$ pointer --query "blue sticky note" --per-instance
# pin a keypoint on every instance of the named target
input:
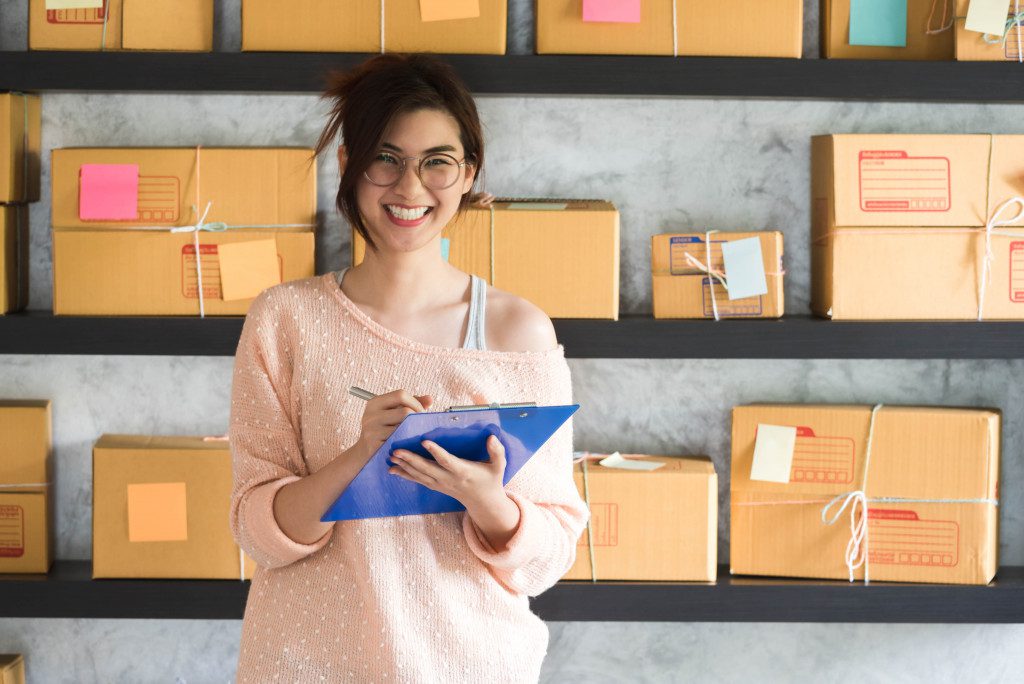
(878, 22)
(744, 268)
(445, 242)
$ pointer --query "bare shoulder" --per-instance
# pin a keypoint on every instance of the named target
(515, 324)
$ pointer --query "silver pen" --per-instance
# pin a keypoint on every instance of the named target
(367, 395)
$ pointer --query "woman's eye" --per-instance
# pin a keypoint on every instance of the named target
(386, 158)
(439, 161)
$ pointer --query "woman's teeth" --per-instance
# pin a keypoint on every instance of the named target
(406, 214)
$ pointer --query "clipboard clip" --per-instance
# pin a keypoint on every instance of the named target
(477, 407)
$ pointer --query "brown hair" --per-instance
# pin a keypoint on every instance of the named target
(372, 95)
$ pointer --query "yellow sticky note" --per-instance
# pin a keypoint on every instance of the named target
(987, 16)
(441, 10)
(247, 268)
(73, 4)
(773, 453)
(157, 512)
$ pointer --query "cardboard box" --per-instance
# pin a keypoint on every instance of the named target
(178, 25)
(911, 244)
(916, 453)
(562, 255)
(13, 257)
(354, 26)
(132, 266)
(12, 669)
(746, 28)
(20, 136)
(682, 290)
(972, 47)
(160, 509)
(26, 505)
(650, 525)
(835, 35)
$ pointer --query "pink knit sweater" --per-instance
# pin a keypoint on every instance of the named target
(419, 598)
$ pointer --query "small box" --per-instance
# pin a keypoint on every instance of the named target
(921, 45)
(355, 26)
(931, 487)
(160, 509)
(20, 117)
(744, 28)
(175, 25)
(12, 669)
(682, 288)
(560, 254)
(650, 525)
(123, 259)
(13, 257)
(26, 504)
(972, 46)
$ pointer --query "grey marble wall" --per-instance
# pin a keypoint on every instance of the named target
(669, 164)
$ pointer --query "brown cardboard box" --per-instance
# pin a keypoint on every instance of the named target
(916, 453)
(650, 525)
(107, 267)
(835, 34)
(160, 509)
(26, 507)
(20, 116)
(681, 290)
(972, 47)
(746, 28)
(562, 255)
(12, 669)
(13, 257)
(354, 26)
(178, 25)
(914, 252)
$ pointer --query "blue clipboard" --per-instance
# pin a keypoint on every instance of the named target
(376, 493)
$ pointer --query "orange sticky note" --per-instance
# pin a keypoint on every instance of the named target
(157, 512)
(441, 10)
(247, 268)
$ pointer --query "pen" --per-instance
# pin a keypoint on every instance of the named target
(361, 393)
(367, 395)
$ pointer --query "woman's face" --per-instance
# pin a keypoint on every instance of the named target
(407, 215)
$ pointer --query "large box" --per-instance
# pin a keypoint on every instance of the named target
(745, 28)
(13, 257)
(650, 525)
(971, 46)
(20, 131)
(682, 288)
(12, 669)
(355, 26)
(178, 25)
(115, 260)
(937, 470)
(921, 45)
(26, 504)
(160, 509)
(561, 255)
(898, 226)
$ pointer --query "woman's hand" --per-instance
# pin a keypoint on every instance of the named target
(383, 414)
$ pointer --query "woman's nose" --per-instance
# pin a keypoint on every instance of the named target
(409, 184)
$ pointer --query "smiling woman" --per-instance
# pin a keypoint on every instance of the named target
(419, 598)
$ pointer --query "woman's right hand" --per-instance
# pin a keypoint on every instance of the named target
(383, 414)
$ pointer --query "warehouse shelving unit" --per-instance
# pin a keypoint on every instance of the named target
(69, 591)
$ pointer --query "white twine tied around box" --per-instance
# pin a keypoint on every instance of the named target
(713, 273)
(213, 227)
(1017, 19)
(990, 229)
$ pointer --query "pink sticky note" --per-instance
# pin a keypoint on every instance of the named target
(618, 11)
(108, 192)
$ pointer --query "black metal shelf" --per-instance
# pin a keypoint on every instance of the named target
(634, 336)
(69, 592)
(719, 77)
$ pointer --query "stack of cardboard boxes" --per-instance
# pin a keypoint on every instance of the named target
(19, 185)
(26, 496)
(998, 46)
(180, 25)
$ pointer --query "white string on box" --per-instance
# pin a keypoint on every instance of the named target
(675, 33)
(990, 230)
(382, 27)
(711, 279)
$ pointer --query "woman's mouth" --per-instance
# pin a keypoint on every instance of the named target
(407, 216)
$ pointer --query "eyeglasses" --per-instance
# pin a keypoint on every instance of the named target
(436, 171)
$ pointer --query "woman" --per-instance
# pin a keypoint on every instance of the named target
(419, 598)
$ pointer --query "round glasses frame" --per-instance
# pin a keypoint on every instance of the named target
(419, 169)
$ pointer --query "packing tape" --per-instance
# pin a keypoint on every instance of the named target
(857, 548)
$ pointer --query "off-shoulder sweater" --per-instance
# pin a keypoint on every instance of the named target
(417, 598)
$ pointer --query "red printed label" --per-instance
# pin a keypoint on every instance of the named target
(1012, 44)
(210, 265)
(89, 15)
(892, 180)
(12, 532)
(901, 537)
(729, 308)
(604, 525)
(822, 459)
(1017, 272)
(158, 199)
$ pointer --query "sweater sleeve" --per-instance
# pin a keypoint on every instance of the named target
(264, 439)
(552, 514)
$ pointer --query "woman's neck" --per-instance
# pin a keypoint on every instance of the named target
(399, 283)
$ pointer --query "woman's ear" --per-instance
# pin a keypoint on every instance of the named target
(467, 182)
(342, 159)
